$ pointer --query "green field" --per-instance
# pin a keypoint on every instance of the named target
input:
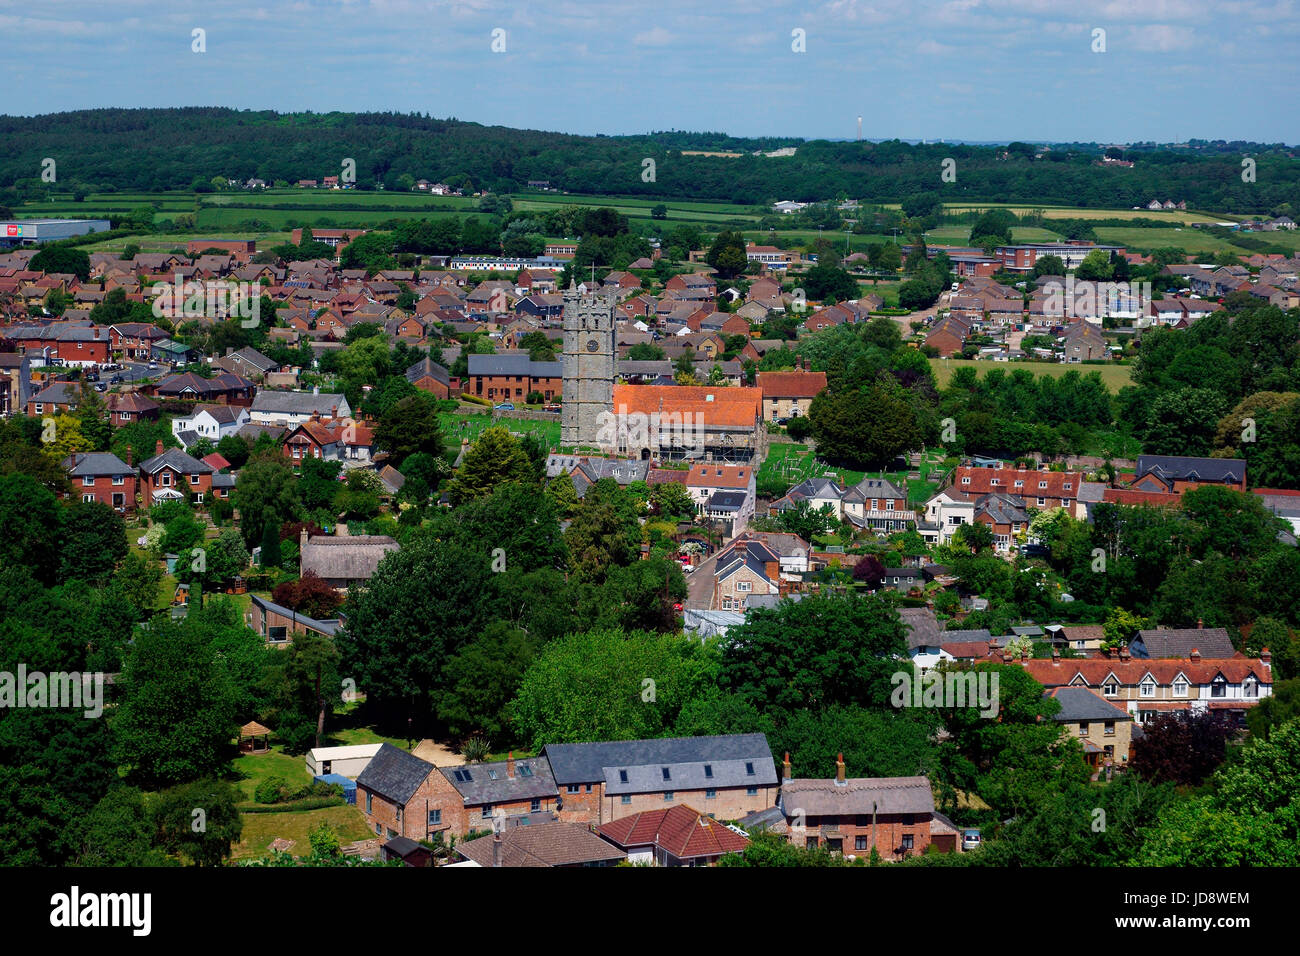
(1115, 377)
(793, 463)
(458, 425)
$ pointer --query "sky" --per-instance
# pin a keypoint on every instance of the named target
(1109, 71)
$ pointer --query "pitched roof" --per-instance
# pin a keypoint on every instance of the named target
(427, 368)
(791, 384)
(95, 464)
(588, 762)
(395, 774)
(1180, 642)
(1192, 469)
(178, 460)
(888, 795)
(348, 558)
(680, 830)
(922, 626)
(297, 403)
(1094, 671)
(489, 782)
(715, 407)
(1080, 703)
(542, 844)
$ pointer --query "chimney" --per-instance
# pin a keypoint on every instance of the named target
(1200, 624)
(1195, 655)
(1024, 654)
(1266, 657)
(785, 765)
(158, 447)
(302, 540)
(993, 646)
(315, 389)
(510, 765)
(1123, 652)
(840, 780)
(1007, 656)
(1056, 654)
(128, 456)
(496, 849)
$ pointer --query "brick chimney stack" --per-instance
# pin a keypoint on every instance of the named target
(785, 765)
(510, 765)
(840, 780)
(158, 447)
(1123, 652)
(1195, 655)
(1024, 654)
(1056, 654)
(1266, 657)
(128, 456)
(496, 849)
(1200, 624)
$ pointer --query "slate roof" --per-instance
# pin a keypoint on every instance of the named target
(890, 795)
(481, 783)
(726, 501)
(95, 464)
(395, 774)
(178, 460)
(427, 368)
(298, 403)
(1212, 642)
(869, 488)
(1079, 704)
(1227, 470)
(511, 363)
(684, 756)
(542, 845)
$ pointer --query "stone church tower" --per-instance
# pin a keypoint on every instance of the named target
(588, 365)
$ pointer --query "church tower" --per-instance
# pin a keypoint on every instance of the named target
(588, 365)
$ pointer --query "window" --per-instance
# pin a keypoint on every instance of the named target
(462, 775)
(1148, 688)
(744, 586)
(859, 843)
(668, 795)
(907, 820)
(1249, 687)
(525, 770)
(326, 766)
(588, 789)
(1180, 688)
(1219, 687)
(378, 830)
(1042, 484)
(88, 482)
(572, 788)
(535, 805)
(907, 841)
(751, 791)
(1109, 728)
(1041, 502)
(194, 479)
(708, 771)
(165, 479)
(965, 481)
(667, 774)
(119, 480)
(370, 805)
(622, 776)
(749, 768)
(1083, 728)
(492, 774)
(88, 499)
(1110, 688)
(710, 794)
(625, 799)
(399, 816)
(487, 811)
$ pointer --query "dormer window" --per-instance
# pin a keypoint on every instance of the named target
(1250, 687)
(1219, 687)
(1148, 687)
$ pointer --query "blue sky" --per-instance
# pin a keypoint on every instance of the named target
(947, 69)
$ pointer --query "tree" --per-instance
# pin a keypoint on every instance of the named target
(497, 457)
(563, 495)
(119, 832)
(318, 483)
(826, 281)
(1095, 266)
(176, 719)
(1181, 747)
(482, 679)
(179, 809)
(32, 519)
(671, 499)
(61, 258)
(358, 498)
(266, 496)
(727, 254)
(1048, 266)
(410, 427)
(310, 595)
(865, 429)
(974, 535)
(806, 521)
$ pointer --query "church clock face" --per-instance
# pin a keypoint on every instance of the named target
(592, 345)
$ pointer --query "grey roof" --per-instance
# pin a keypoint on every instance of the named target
(696, 775)
(92, 464)
(869, 488)
(922, 626)
(220, 480)
(1080, 703)
(253, 430)
(427, 368)
(512, 363)
(542, 845)
(726, 501)
(59, 393)
(587, 763)
(770, 819)
(1091, 492)
(481, 783)
(753, 601)
(297, 403)
(1192, 469)
(324, 627)
(395, 774)
(961, 636)
(179, 460)
(1211, 642)
(858, 795)
(250, 356)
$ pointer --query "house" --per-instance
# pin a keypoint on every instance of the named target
(294, 408)
(171, 474)
(1170, 473)
(102, 477)
(247, 362)
(1083, 343)
(724, 422)
(499, 795)
(274, 622)
(820, 493)
(789, 394)
(393, 792)
(705, 480)
(728, 776)
(877, 504)
(746, 569)
(672, 836)
(126, 408)
(948, 336)
(213, 422)
(1104, 730)
(895, 816)
(343, 560)
(512, 376)
(225, 388)
(56, 398)
(1039, 489)
(346, 761)
(542, 845)
(924, 635)
(15, 382)
(1147, 688)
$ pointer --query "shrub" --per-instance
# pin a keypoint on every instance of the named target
(270, 790)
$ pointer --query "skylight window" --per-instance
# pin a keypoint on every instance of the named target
(667, 774)
(525, 770)
(749, 769)
(708, 771)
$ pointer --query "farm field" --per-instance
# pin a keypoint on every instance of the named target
(1173, 216)
(1115, 377)
(1193, 240)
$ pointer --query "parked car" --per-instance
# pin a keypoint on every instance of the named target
(552, 408)
(970, 839)
(505, 407)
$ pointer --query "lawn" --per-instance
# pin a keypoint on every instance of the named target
(261, 829)
(793, 463)
(1115, 377)
(456, 426)
(252, 769)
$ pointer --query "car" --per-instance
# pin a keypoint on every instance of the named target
(970, 839)
(1035, 551)
(552, 408)
(115, 380)
(687, 568)
(100, 386)
(153, 365)
(505, 407)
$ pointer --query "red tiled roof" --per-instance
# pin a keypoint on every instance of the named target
(740, 407)
(791, 384)
(981, 482)
(679, 830)
(704, 475)
(1128, 496)
(1095, 670)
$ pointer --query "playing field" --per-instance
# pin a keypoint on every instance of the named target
(1115, 377)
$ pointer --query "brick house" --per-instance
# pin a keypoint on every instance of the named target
(102, 477)
(728, 776)
(893, 815)
(134, 340)
(428, 376)
(171, 473)
(394, 792)
(512, 377)
(486, 796)
(1174, 474)
(278, 624)
(947, 336)
(1039, 489)
(789, 394)
(131, 407)
(241, 249)
(54, 399)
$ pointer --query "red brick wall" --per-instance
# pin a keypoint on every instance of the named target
(151, 483)
(104, 489)
(889, 833)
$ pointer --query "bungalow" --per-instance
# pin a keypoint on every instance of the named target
(672, 836)
(278, 624)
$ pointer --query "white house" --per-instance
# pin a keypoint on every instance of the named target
(293, 408)
(948, 510)
(348, 761)
(213, 422)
